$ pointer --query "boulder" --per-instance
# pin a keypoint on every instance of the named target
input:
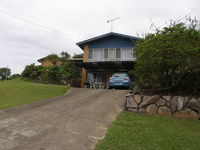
(165, 111)
(149, 100)
(174, 103)
(142, 111)
(194, 105)
(186, 100)
(180, 102)
(168, 104)
(167, 98)
(177, 103)
(133, 110)
(152, 109)
(187, 113)
(138, 98)
(161, 102)
(130, 102)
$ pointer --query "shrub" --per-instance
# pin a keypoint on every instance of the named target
(33, 72)
(63, 74)
(4, 73)
(170, 57)
(14, 76)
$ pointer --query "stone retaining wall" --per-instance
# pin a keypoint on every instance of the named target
(177, 106)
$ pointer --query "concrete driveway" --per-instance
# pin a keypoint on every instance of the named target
(75, 121)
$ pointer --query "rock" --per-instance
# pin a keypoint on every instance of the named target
(167, 98)
(161, 102)
(165, 111)
(180, 102)
(187, 113)
(168, 104)
(142, 111)
(152, 109)
(149, 100)
(174, 103)
(138, 98)
(130, 102)
(133, 110)
(177, 103)
(186, 100)
(194, 104)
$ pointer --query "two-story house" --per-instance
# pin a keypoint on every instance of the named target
(105, 55)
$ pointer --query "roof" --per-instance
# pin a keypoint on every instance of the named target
(70, 59)
(82, 43)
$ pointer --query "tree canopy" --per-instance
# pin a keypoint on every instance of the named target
(170, 57)
(4, 73)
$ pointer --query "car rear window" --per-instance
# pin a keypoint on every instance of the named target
(120, 75)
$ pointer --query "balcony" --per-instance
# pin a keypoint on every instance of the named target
(111, 54)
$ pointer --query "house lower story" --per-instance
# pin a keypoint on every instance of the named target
(100, 72)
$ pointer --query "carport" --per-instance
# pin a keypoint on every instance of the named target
(100, 72)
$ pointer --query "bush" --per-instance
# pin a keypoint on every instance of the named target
(54, 74)
(14, 76)
(4, 73)
(63, 74)
(170, 58)
(33, 72)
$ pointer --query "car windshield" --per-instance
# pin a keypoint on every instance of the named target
(120, 75)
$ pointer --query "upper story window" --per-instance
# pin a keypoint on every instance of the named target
(106, 53)
(90, 53)
(111, 54)
(118, 53)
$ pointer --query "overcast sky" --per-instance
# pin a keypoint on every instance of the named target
(22, 43)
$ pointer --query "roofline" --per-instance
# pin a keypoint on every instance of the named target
(70, 59)
(80, 44)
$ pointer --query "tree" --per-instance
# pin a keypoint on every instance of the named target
(4, 73)
(53, 58)
(33, 72)
(169, 56)
(64, 57)
(54, 74)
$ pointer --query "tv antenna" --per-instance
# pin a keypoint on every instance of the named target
(111, 21)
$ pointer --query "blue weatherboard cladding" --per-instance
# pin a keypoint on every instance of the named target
(111, 42)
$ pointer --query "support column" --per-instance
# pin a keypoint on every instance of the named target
(84, 77)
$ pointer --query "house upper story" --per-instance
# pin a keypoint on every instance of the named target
(109, 47)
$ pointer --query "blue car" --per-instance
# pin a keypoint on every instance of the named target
(120, 80)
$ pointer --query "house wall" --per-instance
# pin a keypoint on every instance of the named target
(84, 71)
(111, 42)
(47, 63)
(86, 53)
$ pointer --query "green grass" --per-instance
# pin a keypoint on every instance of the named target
(138, 132)
(17, 92)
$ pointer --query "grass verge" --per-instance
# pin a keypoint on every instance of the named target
(139, 132)
(17, 92)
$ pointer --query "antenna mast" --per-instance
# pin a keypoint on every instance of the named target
(111, 21)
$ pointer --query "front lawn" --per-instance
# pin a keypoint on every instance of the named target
(139, 132)
(16, 92)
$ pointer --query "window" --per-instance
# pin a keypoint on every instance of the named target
(118, 53)
(127, 54)
(106, 53)
(90, 53)
(111, 54)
